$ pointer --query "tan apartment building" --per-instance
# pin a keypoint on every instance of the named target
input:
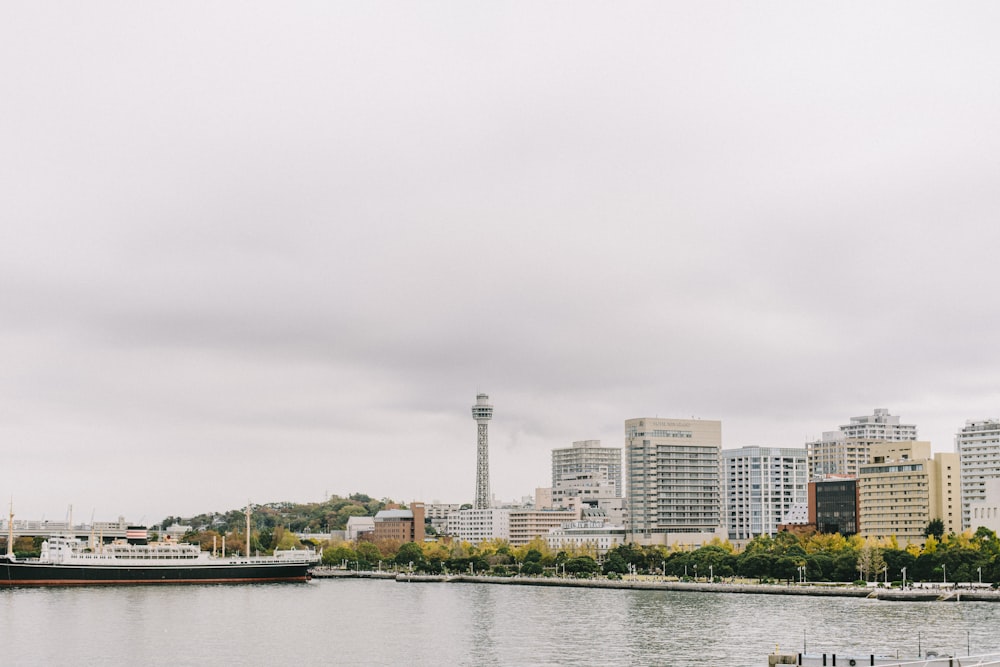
(903, 488)
(527, 524)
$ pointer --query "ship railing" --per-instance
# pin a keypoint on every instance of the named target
(985, 660)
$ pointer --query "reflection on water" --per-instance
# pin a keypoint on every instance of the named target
(364, 622)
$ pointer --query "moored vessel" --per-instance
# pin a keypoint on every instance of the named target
(68, 560)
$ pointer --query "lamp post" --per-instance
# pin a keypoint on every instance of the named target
(664, 566)
(885, 572)
(696, 572)
(711, 573)
(944, 572)
(904, 578)
(980, 570)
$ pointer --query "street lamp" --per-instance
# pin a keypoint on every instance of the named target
(664, 565)
(711, 573)
(904, 578)
(696, 571)
(980, 570)
(885, 571)
(944, 572)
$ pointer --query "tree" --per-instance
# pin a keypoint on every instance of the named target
(934, 527)
(582, 565)
(368, 554)
(338, 554)
(410, 553)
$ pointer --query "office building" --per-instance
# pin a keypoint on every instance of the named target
(833, 504)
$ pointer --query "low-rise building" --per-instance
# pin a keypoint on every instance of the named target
(359, 527)
(600, 536)
(478, 525)
(527, 524)
(400, 525)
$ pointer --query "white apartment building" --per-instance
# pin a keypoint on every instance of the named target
(478, 525)
(879, 426)
(438, 514)
(672, 479)
(761, 485)
(843, 452)
(978, 447)
(986, 512)
(584, 457)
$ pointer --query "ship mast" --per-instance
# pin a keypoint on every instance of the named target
(248, 528)
(10, 531)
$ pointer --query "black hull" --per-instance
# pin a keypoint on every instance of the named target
(40, 574)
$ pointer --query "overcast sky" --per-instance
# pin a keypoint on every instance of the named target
(272, 251)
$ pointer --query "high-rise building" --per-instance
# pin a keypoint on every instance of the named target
(587, 456)
(672, 477)
(903, 488)
(843, 452)
(880, 426)
(482, 412)
(761, 486)
(978, 448)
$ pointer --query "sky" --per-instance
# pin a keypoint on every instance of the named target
(272, 251)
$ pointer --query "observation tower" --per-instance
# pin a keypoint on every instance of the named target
(482, 412)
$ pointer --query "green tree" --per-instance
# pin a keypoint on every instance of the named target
(582, 565)
(934, 527)
(410, 553)
(368, 554)
(338, 554)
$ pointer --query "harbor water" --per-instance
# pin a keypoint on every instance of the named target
(378, 622)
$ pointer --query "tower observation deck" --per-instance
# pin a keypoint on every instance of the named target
(482, 412)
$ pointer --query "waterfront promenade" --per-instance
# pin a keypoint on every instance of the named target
(652, 584)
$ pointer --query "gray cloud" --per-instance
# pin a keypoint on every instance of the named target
(275, 251)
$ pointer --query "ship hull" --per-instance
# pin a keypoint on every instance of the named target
(42, 574)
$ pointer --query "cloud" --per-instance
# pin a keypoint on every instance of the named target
(276, 252)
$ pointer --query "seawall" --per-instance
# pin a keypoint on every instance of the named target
(889, 594)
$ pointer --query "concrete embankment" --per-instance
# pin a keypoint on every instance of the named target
(337, 573)
(908, 595)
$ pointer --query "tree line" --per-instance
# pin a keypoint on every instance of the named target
(967, 557)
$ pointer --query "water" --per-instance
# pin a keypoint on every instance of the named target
(367, 622)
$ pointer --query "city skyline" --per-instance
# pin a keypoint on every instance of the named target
(269, 253)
